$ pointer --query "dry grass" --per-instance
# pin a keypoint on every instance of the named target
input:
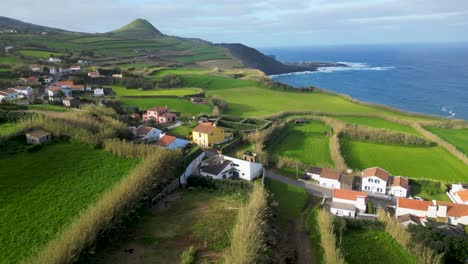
(424, 255)
(127, 149)
(449, 147)
(82, 232)
(247, 238)
(332, 253)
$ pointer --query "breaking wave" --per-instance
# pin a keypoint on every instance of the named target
(350, 66)
(449, 110)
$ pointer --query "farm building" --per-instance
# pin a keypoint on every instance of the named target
(223, 167)
(347, 203)
(71, 102)
(38, 136)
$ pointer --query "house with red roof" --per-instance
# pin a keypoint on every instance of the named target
(8, 94)
(160, 114)
(147, 133)
(325, 177)
(451, 213)
(53, 91)
(348, 203)
(375, 180)
(398, 186)
(94, 74)
(458, 193)
(171, 142)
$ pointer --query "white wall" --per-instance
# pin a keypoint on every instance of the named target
(191, 168)
(329, 183)
(314, 176)
(398, 191)
(247, 170)
(374, 185)
(342, 212)
(402, 211)
(153, 135)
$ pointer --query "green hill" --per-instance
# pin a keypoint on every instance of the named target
(14, 24)
(138, 28)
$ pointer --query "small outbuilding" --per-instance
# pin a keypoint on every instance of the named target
(71, 102)
(38, 136)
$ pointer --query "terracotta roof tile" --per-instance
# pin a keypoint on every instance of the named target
(400, 181)
(205, 128)
(347, 194)
(143, 130)
(330, 174)
(463, 194)
(376, 171)
(166, 140)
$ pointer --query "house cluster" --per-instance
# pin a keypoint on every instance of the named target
(149, 134)
(69, 69)
(348, 202)
(374, 180)
(97, 74)
(14, 93)
(411, 211)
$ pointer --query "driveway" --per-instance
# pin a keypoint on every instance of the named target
(312, 189)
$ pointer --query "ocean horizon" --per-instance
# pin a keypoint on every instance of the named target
(421, 78)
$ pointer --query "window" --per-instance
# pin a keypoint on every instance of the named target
(370, 180)
(243, 174)
(367, 188)
(377, 181)
(379, 190)
(236, 165)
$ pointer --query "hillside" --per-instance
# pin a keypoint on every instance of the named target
(14, 24)
(138, 28)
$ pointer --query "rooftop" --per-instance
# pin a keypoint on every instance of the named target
(143, 130)
(205, 128)
(400, 181)
(37, 133)
(166, 140)
(215, 165)
(348, 194)
(330, 174)
(377, 172)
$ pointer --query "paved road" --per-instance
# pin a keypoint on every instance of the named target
(312, 189)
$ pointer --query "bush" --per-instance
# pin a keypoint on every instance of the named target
(225, 186)
(188, 256)
(332, 253)
(248, 243)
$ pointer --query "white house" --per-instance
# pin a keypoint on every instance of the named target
(54, 90)
(325, 177)
(75, 68)
(64, 70)
(453, 213)
(223, 167)
(348, 202)
(23, 90)
(148, 134)
(52, 70)
(55, 60)
(35, 68)
(399, 186)
(374, 180)
(8, 94)
(47, 79)
(98, 91)
(458, 193)
(171, 142)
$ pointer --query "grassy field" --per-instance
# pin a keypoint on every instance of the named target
(6, 128)
(184, 130)
(371, 246)
(433, 163)
(456, 137)
(7, 59)
(122, 91)
(292, 200)
(37, 54)
(181, 71)
(41, 191)
(306, 143)
(197, 218)
(377, 123)
(185, 107)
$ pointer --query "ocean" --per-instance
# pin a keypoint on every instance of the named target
(423, 78)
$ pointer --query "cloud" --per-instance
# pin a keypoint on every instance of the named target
(261, 22)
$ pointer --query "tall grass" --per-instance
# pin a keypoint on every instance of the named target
(332, 253)
(156, 170)
(335, 153)
(449, 147)
(127, 149)
(423, 254)
(248, 236)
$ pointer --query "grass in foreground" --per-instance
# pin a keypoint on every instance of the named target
(434, 163)
(185, 107)
(198, 218)
(41, 191)
(456, 137)
(377, 123)
(371, 246)
(122, 91)
(7, 128)
(306, 143)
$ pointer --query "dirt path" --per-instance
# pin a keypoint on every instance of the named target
(305, 254)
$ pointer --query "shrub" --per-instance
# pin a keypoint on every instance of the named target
(332, 253)
(248, 235)
(188, 256)
(225, 186)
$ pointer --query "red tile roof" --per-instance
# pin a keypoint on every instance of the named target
(7, 91)
(65, 83)
(205, 128)
(400, 181)
(166, 140)
(376, 171)
(463, 194)
(143, 130)
(330, 174)
(55, 88)
(413, 204)
(77, 87)
(347, 194)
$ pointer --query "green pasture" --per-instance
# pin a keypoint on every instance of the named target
(122, 91)
(456, 137)
(184, 106)
(376, 123)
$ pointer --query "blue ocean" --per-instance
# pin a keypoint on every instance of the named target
(431, 79)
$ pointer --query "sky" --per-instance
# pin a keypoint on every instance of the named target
(261, 23)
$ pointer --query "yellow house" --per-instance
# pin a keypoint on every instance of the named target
(207, 134)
